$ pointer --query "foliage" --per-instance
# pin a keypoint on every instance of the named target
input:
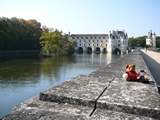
(141, 42)
(19, 34)
(55, 43)
(132, 42)
(158, 42)
(137, 42)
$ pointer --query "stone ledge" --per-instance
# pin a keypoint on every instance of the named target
(131, 97)
(101, 114)
(82, 90)
(40, 110)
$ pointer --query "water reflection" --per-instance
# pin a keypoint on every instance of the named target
(96, 59)
(23, 78)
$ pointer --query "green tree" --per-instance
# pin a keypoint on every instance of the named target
(132, 42)
(19, 34)
(137, 42)
(158, 42)
(55, 43)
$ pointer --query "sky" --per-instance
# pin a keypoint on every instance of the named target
(136, 17)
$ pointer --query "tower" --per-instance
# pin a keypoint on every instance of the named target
(154, 40)
(110, 43)
(151, 39)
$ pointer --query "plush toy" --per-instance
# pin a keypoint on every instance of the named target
(131, 74)
(125, 76)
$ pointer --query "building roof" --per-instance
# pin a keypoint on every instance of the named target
(89, 34)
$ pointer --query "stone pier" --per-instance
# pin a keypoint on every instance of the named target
(101, 95)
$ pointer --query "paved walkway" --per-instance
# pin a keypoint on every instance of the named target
(152, 60)
(153, 55)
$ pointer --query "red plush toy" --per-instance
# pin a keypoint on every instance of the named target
(131, 73)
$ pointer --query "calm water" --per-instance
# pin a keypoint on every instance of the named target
(23, 78)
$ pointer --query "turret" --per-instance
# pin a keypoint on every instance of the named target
(109, 45)
(154, 40)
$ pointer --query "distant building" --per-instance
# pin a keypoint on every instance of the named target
(151, 39)
(115, 41)
(118, 41)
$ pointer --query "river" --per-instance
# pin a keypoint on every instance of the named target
(21, 79)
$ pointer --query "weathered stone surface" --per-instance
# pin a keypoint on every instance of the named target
(131, 97)
(42, 115)
(35, 109)
(82, 90)
(66, 108)
(101, 114)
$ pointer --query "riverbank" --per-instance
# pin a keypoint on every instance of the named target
(103, 94)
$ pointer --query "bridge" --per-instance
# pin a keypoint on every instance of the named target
(101, 95)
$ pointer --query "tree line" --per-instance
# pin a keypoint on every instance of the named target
(141, 41)
(20, 34)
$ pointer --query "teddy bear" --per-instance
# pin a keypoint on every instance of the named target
(131, 74)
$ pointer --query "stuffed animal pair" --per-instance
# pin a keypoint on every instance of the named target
(131, 74)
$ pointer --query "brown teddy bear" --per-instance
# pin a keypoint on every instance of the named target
(131, 74)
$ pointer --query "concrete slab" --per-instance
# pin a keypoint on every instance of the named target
(41, 115)
(101, 114)
(131, 97)
(82, 90)
(35, 109)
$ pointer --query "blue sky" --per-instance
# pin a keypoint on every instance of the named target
(136, 17)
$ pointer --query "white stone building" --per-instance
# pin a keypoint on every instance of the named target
(151, 39)
(115, 41)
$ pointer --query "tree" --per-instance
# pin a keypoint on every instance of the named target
(158, 42)
(137, 42)
(132, 42)
(19, 34)
(55, 43)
